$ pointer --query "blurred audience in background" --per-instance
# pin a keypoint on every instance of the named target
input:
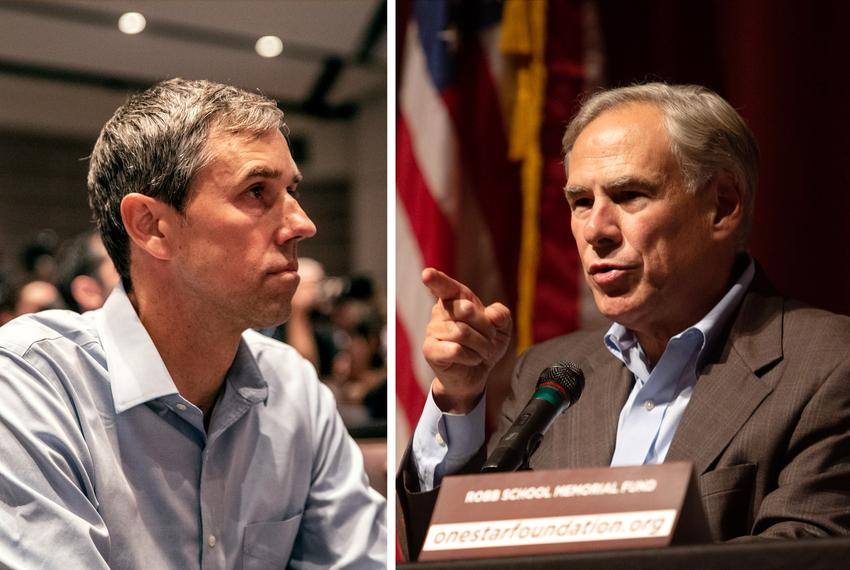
(338, 323)
(359, 376)
(30, 287)
(309, 329)
(79, 277)
(29, 296)
(38, 257)
(85, 274)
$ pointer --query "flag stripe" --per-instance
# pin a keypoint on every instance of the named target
(434, 146)
(433, 232)
(457, 206)
(410, 395)
(414, 301)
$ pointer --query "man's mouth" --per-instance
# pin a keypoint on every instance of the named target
(608, 274)
(598, 268)
(285, 268)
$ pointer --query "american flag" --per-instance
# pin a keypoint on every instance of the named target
(485, 90)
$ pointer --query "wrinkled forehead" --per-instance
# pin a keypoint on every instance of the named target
(637, 125)
(622, 141)
(224, 144)
(220, 130)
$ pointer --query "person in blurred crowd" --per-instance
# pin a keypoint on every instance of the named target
(309, 329)
(85, 274)
(300, 330)
(38, 256)
(160, 431)
(34, 296)
(7, 306)
(705, 361)
(359, 377)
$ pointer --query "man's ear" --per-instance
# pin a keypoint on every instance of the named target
(727, 198)
(148, 222)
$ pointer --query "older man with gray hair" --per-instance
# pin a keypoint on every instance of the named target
(160, 431)
(704, 362)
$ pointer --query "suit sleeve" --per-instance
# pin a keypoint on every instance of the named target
(812, 497)
(417, 505)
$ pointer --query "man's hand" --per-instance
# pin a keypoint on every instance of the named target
(463, 342)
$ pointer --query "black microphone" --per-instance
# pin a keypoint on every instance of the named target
(558, 388)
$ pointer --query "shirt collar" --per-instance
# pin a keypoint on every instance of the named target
(245, 376)
(621, 341)
(716, 319)
(136, 370)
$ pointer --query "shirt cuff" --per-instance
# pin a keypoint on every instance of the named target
(443, 443)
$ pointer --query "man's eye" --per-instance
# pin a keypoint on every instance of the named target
(256, 191)
(630, 195)
(581, 203)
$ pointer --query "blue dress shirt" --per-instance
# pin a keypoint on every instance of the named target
(655, 406)
(103, 464)
(442, 443)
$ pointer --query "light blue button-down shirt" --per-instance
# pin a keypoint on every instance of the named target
(104, 464)
(654, 408)
(442, 443)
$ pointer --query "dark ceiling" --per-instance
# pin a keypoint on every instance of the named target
(65, 66)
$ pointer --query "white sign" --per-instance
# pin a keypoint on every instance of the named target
(551, 530)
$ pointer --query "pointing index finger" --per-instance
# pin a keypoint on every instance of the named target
(444, 287)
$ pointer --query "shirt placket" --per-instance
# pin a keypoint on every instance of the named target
(211, 553)
(214, 544)
(211, 499)
(646, 410)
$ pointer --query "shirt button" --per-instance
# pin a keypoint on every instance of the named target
(439, 439)
(181, 407)
(211, 540)
(649, 404)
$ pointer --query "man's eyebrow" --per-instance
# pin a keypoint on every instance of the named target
(631, 182)
(263, 172)
(616, 184)
(267, 172)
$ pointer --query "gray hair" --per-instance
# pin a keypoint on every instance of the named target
(707, 136)
(156, 142)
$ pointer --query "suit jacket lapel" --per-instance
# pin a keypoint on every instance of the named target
(614, 383)
(730, 386)
(585, 435)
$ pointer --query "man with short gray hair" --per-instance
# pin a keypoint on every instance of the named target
(161, 431)
(704, 361)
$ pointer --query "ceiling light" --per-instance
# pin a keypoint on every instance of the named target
(269, 46)
(131, 23)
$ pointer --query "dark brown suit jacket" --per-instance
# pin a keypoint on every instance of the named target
(767, 427)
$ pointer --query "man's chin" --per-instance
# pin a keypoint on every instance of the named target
(272, 319)
(619, 309)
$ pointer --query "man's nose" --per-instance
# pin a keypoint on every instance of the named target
(602, 228)
(296, 223)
